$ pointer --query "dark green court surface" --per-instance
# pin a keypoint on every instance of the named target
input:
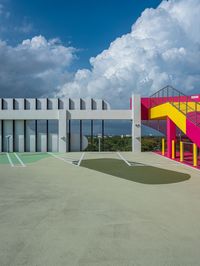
(141, 174)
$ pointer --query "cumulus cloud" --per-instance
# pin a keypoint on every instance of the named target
(25, 28)
(162, 48)
(36, 67)
(3, 12)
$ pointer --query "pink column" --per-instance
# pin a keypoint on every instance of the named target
(171, 135)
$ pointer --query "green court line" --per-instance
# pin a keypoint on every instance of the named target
(19, 159)
(14, 159)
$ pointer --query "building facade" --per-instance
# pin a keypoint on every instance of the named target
(21, 118)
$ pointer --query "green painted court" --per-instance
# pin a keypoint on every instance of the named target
(137, 172)
(27, 158)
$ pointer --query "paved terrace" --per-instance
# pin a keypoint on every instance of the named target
(55, 213)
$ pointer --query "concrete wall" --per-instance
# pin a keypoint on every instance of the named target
(53, 142)
(136, 123)
(53, 135)
(30, 104)
(19, 135)
(19, 104)
(41, 136)
(52, 104)
(30, 136)
(8, 131)
(19, 117)
(1, 135)
(41, 104)
(7, 103)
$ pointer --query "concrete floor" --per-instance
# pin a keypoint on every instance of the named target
(54, 213)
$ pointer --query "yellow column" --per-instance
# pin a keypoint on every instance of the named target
(173, 149)
(181, 152)
(163, 146)
(195, 163)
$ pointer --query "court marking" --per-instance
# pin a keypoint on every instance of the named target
(61, 158)
(123, 159)
(69, 158)
(18, 158)
(101, 152)
(9, 159)
(79, 162)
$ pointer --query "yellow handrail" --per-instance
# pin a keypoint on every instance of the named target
(163, 146)
(181, 151)
(195, 154)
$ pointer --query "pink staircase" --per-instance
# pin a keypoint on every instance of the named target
(187, 105)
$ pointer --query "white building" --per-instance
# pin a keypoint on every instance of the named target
(20, 118)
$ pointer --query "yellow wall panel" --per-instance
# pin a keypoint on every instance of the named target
(166, 109)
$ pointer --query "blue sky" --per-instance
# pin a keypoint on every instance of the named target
(101, 49)
(88, 25)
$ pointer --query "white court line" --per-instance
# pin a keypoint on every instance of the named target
(60, 158)
(79, 162)
(123, 159)
(101, 152)
(9, 159)
(23, 165)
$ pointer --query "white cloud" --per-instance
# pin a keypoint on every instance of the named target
(3, 12)
(162, 48)
(24, 28)
(35, 67)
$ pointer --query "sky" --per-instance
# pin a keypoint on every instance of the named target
(88, 25)
(102, 49)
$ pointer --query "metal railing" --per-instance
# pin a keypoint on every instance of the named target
(179, 100)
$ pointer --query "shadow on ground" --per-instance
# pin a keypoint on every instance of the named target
(139, 173)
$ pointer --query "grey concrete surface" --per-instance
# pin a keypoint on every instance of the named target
(54, 213)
